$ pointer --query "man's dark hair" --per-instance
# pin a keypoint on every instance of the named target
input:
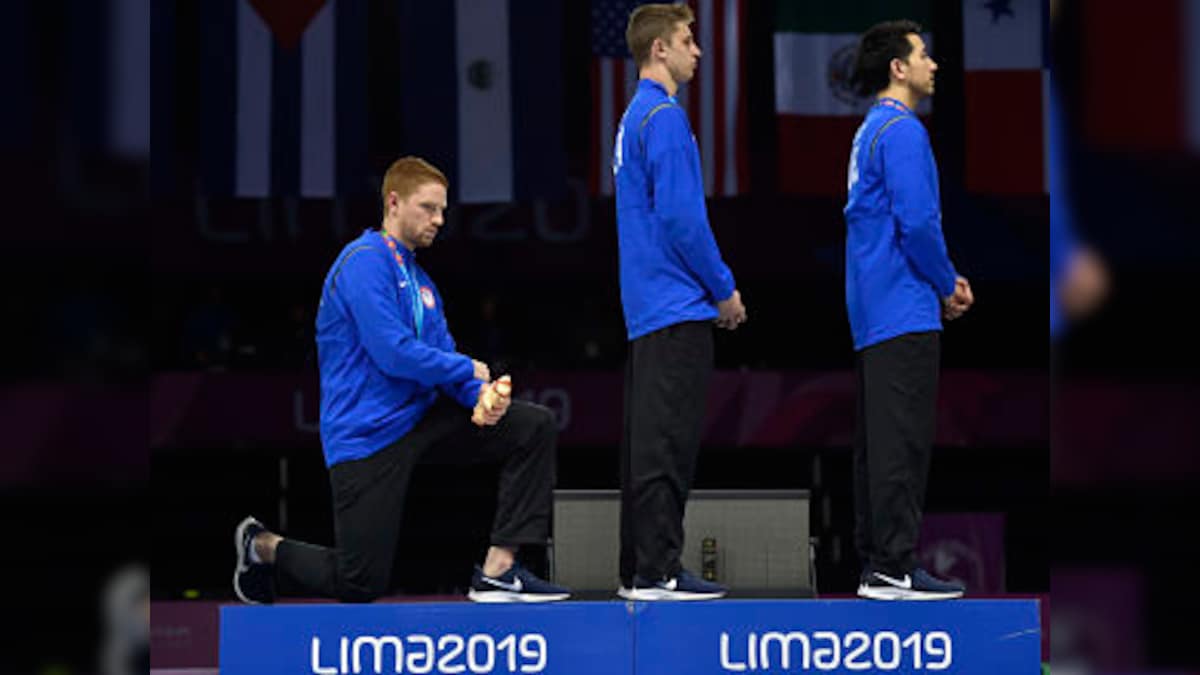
(876, 49)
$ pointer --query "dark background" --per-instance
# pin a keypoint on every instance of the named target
(74, 353)
(104, 282)
(528, 304)
(1122, 501)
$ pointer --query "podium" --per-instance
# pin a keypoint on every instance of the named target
(634, 638)
(759, 540)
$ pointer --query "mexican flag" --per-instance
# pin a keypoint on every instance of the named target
(817, 111)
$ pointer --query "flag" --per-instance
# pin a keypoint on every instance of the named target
(108, 63)
(1005, 81)
(162, 130)
(481, 95)
(283, 97)
(817, 112)
(129, 78)
(715, 99)
(1164, 112)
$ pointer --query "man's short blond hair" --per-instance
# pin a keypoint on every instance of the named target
(407, 174)
(651, 22)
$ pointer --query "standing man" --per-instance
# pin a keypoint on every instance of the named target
(395, 391)
(900, 284)
(673, 285)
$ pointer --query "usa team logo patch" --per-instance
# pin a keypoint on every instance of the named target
(427, 297)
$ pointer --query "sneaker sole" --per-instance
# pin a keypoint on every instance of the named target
(511, 597)
(890, 593)
(238, 535)
(660, 594)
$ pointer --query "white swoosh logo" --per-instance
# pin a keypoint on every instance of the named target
(515, 586)
(902, 583)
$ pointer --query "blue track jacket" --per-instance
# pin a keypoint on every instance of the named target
(383, 349)
(897, 269)
(671, 269)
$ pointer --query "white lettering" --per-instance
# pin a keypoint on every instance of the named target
(448, 656)
(944, 648)
(378, 643)
(489, 652)
(853, 653)
(785, 642)
(526, 653)
(509, 644)
(832, 653)
(725, 663)
(619, 148)
(422, 661)
(828, 650)
(894, 662)
(852, 170)
(914, 641)
(538, 652)
(317, 668)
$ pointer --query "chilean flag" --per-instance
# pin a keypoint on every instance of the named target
(1006, 79)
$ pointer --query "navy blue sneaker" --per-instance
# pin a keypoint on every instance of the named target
(684, 586)
(916, 585)
(254, 583)
(516, 585)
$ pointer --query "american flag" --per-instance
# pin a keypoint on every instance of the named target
(715, 99)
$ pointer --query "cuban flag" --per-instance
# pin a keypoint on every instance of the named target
(283, 98)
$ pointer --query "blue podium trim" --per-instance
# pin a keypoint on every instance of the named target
(571, 637)
(619, 638)
(839, 636)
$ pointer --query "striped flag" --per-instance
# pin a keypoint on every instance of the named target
(107, 64)
(715, 99)
(283, 97)
(163, 157)
(481, 95)
(817, 111)
(129, 78)
(1004, 58)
